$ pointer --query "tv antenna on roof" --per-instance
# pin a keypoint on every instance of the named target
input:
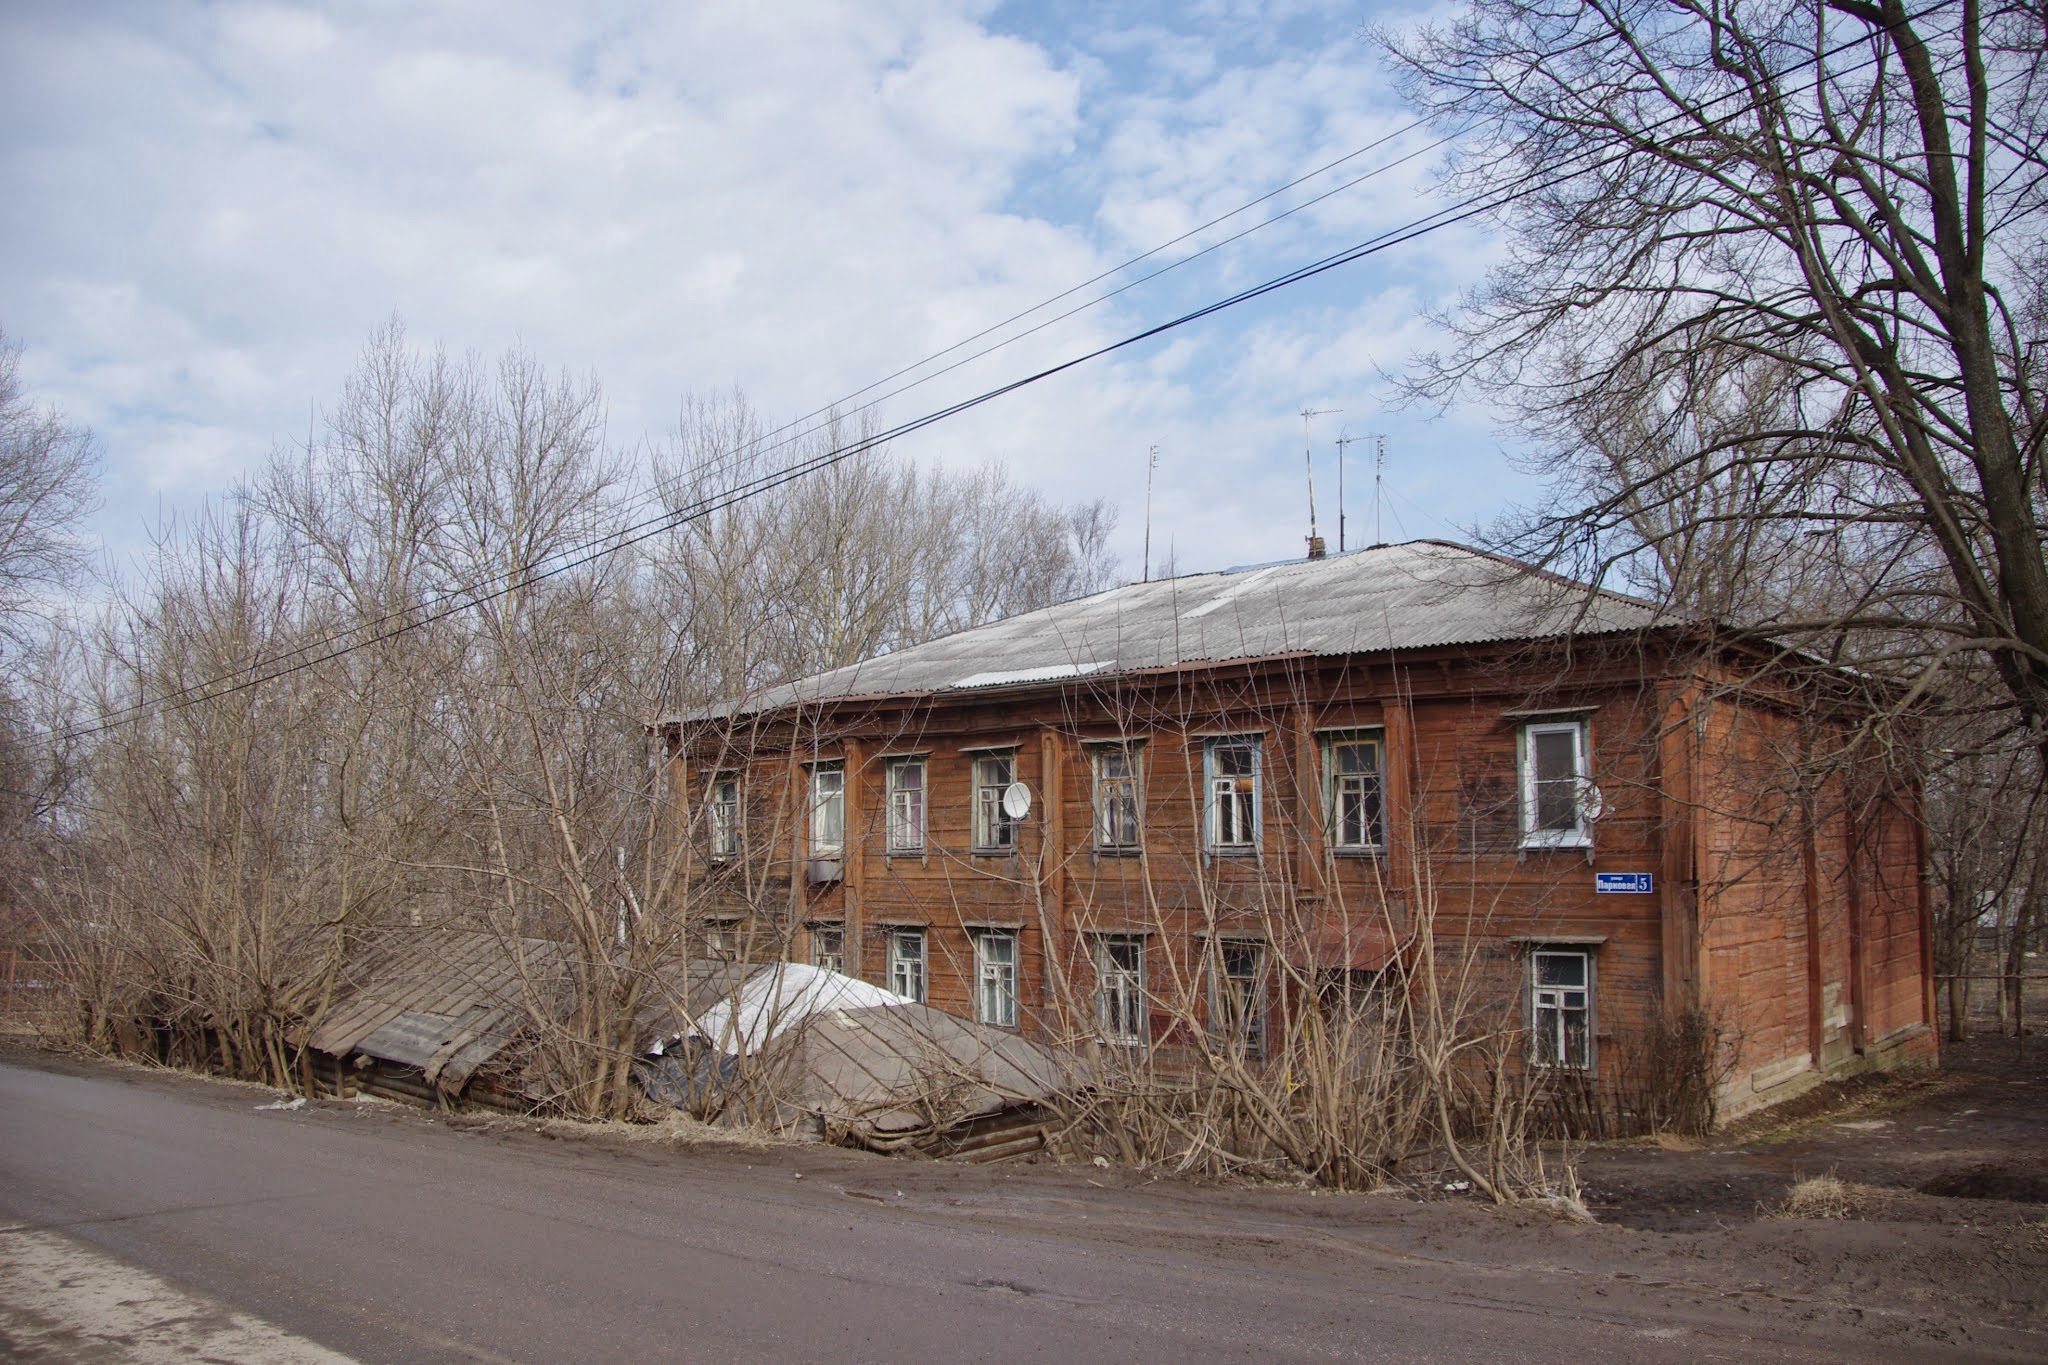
(1151, 463)
(1308, 459)
(1344, 438)
(1379, 478)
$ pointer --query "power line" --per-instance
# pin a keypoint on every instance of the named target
(1473, 206)
(788, 434)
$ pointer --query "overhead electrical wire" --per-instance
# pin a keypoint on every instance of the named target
(786, 434)
(420, 617)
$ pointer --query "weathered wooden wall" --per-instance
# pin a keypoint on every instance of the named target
(1790, 917)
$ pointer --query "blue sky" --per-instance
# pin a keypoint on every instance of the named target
(211, 207)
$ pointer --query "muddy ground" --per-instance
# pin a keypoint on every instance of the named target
(1952, 1219)
(1946, 1248)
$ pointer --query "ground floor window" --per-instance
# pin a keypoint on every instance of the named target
(1561, 1007)
(828, 947)
(722, 939)
(906, 963)
(1120, 988)
(995, 976)
(1237, 996)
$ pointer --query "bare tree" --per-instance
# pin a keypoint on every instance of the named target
(1774, 297)
(865, 555)
(47, 488)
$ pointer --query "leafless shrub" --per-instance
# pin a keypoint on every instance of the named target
(387, 684)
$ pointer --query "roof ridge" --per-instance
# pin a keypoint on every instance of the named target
(1429, 593)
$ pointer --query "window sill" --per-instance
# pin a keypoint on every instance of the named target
(1232, 852)
(1359, 851)
(1569, 843)
(1118, 851)
(992, 852)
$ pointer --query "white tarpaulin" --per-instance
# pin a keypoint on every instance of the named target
(776, 999)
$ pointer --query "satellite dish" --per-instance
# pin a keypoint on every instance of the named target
(1594, 803)
(1016, 800)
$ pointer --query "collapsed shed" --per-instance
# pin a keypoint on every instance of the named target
(449, 1017)
(804, 1049)
(419, 1015)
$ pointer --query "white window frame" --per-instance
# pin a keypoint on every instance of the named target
(995, 831)
(1121, 1011)
(995, 977)
(1231, 801)
(1370, 789)
(1237, 1001)
(1119, 798)
(722, 816)
(828, 810)
(1552, 1005)
(828, 947)
(1579, 834)
(907, 958)
(909, 803)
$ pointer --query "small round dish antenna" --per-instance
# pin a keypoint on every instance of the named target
(1590, 799)
(1016, 800)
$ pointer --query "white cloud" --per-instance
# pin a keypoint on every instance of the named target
(209, 208)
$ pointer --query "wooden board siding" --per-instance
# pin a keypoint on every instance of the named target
(1809, 903)
(1753, 918)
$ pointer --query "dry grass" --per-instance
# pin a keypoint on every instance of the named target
(665, 1127)
(1666, 1142)
(1828, 1196)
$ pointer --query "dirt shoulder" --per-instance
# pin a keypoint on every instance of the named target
(1947, 1246)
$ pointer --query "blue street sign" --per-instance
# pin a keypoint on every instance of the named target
(1622, 883)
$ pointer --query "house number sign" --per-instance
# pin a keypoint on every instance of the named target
(1622, 883)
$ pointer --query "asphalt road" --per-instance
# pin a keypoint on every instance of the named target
(388, 1237)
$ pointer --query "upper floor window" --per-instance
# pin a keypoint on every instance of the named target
(995, 830)
(1353, 787)
(828, 810)
(906, 806)
(1561, 1007)
(1556, 786)
(1230, 772)
(1117, 801)
(722, 816)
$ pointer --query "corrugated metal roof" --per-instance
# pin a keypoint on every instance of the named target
(443, 1000)
(1416, 595)
(450, 1000)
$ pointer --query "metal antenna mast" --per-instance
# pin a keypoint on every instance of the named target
(1344, 438)
(1379, 474)
(1151, 463)
(1308, 460)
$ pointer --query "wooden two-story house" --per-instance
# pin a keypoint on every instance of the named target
(1136, 816)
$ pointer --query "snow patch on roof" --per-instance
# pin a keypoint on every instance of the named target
(1047, 673)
